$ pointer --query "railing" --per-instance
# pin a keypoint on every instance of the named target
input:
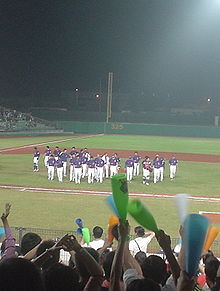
(153, 246)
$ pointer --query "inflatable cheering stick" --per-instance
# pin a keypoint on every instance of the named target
(120, 194)
(195, 229)
(79, 222)
(111, 204)
(211, 236)
(2, 231)
(142, 215)
(182, 206)
(113, 220)
(86, 235)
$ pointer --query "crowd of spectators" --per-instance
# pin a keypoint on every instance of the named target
(37, 265)
(10, 118)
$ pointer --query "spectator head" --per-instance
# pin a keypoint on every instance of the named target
(154, 268)
(143, 285)
(20, 274)
(211, 268)
(97, 232)
(80, 266)
(207, 255)
(53, 259)
(139, 231)
(140, 257)
(60, 277)
(29, 241)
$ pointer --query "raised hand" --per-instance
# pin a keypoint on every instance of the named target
(6, 213)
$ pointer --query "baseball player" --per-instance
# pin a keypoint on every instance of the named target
(162, 168)
(118, 162)
(96, 170)
(100, 169)
(47, 154)
(56, 152)
(173, 162)
(73, 151)
(105, 158)
(51, 167)
(136, 159)
(59, 167)
(129, 167)
(91, 170)
(72, 171)
(147, 169)
(64, 156)
(84, 161)
(157, 165)
(113, 166)
(36, 157)
(78, 170)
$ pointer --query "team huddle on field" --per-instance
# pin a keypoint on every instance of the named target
(81, 164)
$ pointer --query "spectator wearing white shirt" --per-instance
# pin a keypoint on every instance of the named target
(140, 243)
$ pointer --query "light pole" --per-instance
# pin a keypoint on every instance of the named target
(77, 96)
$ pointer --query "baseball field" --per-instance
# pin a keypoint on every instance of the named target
(40, 203)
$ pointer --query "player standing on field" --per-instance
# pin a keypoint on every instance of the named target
(36, 157)
(105, 158)
(173, 162)
(162, 168)
(113, 166)
(147, 169)
(156, 164)
(129, 167)
(51, 167)
(91, 170)
(59, 166)
(64, 156)
(100, 169)
(78, 170)
(136, 159)
(72, 171)
(47, 154)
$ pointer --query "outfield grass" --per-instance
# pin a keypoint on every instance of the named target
(147, 143)
(58, 211)
(192, 178)
(11, 142)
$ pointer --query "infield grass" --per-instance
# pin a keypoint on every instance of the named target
(192, 178)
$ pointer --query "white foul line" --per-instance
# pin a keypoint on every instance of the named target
(102, 193)
(49, 142)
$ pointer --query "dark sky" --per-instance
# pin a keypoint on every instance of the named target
(154, 46)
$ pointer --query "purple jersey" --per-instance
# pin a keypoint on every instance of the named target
(157, 164)
(100, 163)
(59, 163)
(72, 160)
(56, 153)
(64, 156)
(173, 162)
(47, 152)
(91, 164)
(36, 154)
(129, 163)
(113, 162)
(73, 152)
(84, 160)
(136, 158)
(162, 162)
(77, 163)
(51, 162)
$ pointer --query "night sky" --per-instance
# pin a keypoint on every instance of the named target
(163, 48)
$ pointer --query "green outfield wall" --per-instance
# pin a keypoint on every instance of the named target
(139, 129)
